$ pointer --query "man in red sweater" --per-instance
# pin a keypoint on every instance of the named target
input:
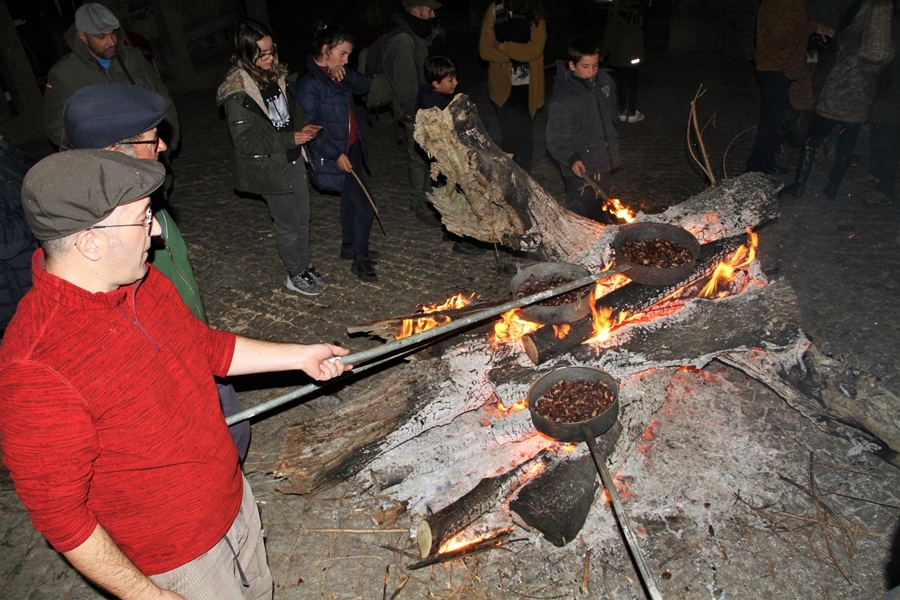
(109, 415)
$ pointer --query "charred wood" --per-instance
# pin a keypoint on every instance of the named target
(545, 343)
(557, 502)
(451, 520)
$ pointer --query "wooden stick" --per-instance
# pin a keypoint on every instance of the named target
(490, 543)
(586, 572)
(356, 531)
(400, 587)
(371, 201)
(895, 506)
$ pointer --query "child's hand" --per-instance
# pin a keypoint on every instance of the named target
(578, 168)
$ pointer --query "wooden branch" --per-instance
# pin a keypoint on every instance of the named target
(693, 125)
(394, 323)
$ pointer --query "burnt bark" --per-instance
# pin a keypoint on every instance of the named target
(546, 343)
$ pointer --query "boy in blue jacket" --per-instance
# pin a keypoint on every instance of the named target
(580, 132)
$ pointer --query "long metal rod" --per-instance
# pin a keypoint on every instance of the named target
(415, 340)
(621, 516)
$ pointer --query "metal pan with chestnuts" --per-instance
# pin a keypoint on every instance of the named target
(578, 396)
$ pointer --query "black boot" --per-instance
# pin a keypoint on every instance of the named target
(804, 166)
(842, 161)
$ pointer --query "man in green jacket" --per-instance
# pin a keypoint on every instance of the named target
(99, 55)
(124, 118)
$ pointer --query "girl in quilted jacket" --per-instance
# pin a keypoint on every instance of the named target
(325, 94)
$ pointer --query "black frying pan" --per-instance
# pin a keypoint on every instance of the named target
(587, 431)
(652, 275)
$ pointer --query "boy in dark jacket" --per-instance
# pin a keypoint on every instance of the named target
(440, 73)
(580, 132)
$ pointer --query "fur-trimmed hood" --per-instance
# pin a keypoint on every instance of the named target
(238, 81)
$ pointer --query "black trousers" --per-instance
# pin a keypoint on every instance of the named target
(627, 88)
(773, 88)
(517, 127)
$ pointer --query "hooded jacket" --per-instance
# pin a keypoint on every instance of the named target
(580, 122)
(260, 151)
(331, 105)
(79, 69)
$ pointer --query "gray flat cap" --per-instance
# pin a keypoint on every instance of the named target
(94, 19)
(100, 115)
(71, 191)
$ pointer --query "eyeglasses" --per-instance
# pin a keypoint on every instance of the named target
(148, 223)
(154, 142)
(264, 53)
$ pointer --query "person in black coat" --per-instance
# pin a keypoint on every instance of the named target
(17, 243)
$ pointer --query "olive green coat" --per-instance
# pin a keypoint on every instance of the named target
(260, 151)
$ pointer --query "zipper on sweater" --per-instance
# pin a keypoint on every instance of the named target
(137, 323)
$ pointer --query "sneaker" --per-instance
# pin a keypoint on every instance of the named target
(364, 269)
(317, 277)
(304, 283)
(347, 254)
(637, 117)
(623, 116)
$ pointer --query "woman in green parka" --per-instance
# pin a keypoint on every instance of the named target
(623, 45)
(268, 131)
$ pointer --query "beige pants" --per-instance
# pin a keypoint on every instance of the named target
(234, 569)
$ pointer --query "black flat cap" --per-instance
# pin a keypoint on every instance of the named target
(100, 115)
(71, 191)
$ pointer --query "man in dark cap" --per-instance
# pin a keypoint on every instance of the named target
(109, 416)
(124, 118)
(99, 55)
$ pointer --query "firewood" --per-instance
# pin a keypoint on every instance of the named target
(489, 543)
(439, 527)
(544, 344)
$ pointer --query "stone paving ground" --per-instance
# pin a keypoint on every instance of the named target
(841, 258)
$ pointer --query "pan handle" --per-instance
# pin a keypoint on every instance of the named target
(624, 523)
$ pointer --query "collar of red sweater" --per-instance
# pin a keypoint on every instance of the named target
(71, 295)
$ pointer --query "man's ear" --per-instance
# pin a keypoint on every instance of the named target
(91, 244)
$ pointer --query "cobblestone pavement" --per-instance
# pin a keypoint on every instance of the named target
(841, 257)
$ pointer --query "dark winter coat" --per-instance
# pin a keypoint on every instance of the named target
(79, 69)
(580, 121)
(404, 56)
(849, 91)
(261, 164)
(17, 244)
(623, 41)
(330, 105)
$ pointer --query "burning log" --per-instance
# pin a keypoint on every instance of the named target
(483, 545)
(547, 343)
(451, 520)
(490, 198)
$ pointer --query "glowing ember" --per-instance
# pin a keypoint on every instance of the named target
(724, 271)
(512, 327)
(520, 405)
(424, 323)
(458, 542)
(614, 207)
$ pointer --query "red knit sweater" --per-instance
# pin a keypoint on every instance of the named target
(109, 413)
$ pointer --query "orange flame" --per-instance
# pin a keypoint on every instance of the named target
(724, 271)
(512, 327)
(619, 210)
(604, 323)
(424, 323)
(520, 405)
(561, 331)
